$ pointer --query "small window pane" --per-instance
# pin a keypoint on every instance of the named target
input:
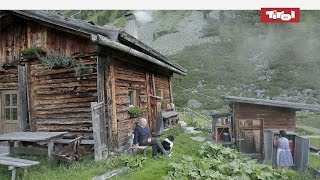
(159, 93)
(132, 97)
(14, 99)
(7, 113)
(14, 114)
(7, 100)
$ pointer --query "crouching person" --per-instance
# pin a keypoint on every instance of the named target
(142, 137)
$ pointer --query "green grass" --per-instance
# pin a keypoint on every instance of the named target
(303, 132)
(46, 170)
(315, 142)
(155, 169)
(197, 121)
(309, 119)
(314, 161)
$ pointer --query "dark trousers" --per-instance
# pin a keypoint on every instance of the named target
(156, 146)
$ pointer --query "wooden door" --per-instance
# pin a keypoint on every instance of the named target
(268, 147)
(9, 121)
(301, 154)
(250, 137)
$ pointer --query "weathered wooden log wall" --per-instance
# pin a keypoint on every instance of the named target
(12, 39)
(162, 83)
(9, 78)
(127, 77)
(274, 117)
(59, 101)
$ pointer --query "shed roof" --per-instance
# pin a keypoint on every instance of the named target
(265, 102)
(88, 29)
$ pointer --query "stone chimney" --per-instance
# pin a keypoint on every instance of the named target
(131, 26)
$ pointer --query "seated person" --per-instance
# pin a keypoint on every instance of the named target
(142, 137)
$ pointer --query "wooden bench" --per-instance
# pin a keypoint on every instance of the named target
(14, 163)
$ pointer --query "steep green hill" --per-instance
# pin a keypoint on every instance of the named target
(231, 52)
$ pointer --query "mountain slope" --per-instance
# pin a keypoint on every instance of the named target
(231, 52)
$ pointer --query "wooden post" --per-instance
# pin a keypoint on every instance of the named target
(113, 103)
(109, 101)
(170, 89)
(149, 100)
(50, 149)
(153, 85)
(23, 103)
(14, 172)
(101, 64)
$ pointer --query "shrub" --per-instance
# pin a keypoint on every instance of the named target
(57, 60)
(164, 103)
(33, 51)
(137, 111)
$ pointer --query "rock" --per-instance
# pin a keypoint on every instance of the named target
(198, 138)
(182, 123)
(191, 130)
(194, 103)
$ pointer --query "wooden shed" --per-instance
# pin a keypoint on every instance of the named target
(255, 122)
(118, 70)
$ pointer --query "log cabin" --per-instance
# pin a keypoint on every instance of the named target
(254, 122)
(116, 69)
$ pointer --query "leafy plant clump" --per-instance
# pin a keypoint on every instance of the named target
(33, 51)
(58, 60)
(217, 162)
(79, 69)
(133, 161)
(164, 103)
(137, 111)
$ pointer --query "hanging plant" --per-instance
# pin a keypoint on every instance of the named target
(137, 111)
(57, 60)
(32, 52)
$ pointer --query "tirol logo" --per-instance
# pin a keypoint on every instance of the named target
(280, 15)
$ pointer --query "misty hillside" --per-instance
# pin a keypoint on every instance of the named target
(230, 52)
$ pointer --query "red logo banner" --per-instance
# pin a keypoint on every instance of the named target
(280, 15)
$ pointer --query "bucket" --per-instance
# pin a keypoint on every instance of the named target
(226, 137)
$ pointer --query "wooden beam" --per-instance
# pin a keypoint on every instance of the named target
(108, 100)
(154, 93)
(101, 93)
(23, 102)
(32, 122)
(170, 89)
(101, 78)
(114, 105)
(148, 89)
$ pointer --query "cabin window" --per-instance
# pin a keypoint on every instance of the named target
(160, 92)
(133, 97)
(10, 107)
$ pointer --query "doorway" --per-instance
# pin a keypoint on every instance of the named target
(250, 137)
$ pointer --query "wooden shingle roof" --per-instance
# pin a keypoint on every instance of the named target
(266, 102)
(89, 30)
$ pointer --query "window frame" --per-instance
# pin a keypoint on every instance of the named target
(161, 92)
(135, 99)
(11, 106)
